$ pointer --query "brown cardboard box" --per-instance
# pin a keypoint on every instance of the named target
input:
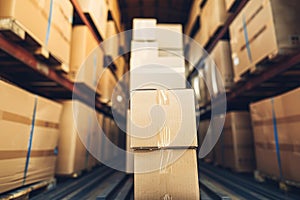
(263, 30)
(214, 15)
(285, 108)
(175, 180)
(72, 156)
(202, 132)
(202, 36)
(111, 45)
(86, 57)
(229, 4)
(237, 142)
(222, 59)
(57, 37)
(114, 8)
(106, 85)
(194, 14)
(98, 11)
(17, 109)
(168, 118)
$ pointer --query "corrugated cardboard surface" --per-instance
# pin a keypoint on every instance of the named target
(269, 27)
(86, 62)
(150, 129)
(286, 111)
(169, 36)
(16, 112)
(114, 8)
(111, 45)
(72, 153)
(98, 11)
(26, 12)
(238, 142)
(222, 58)
(178, 180)
(144, 29)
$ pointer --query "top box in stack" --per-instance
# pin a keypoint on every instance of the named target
(156, 56)
(51, 30)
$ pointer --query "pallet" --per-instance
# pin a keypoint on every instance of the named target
(16, 33)
(284, 185)
(24, 192)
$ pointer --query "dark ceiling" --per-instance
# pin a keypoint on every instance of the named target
(165, 11)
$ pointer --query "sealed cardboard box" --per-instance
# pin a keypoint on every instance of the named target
(168, 119)
(202, 36)
(98, 11)
(144, 29)
(222, 59)
(175, 175)
(106, 85)
(114, 8)
(111, 45)
(54, 36)
(86, 58)
(169, 36)
(237, 144)
(17, 109)
(263, 30)
(275, 124)
(194, 14)
(157, 77)
(72, 156)
(229, 4)
(204, 131)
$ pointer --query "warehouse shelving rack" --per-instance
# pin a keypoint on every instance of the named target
(19, 66)
(273, 79)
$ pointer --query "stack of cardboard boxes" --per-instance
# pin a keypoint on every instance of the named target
(29, 127)
(162, 115)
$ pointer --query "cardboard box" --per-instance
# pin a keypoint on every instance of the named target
(171, 52)
(204, 131)
(17, 109)
(202, 36)
(74, 131)
(194, 14)
(200, 89)
(98, 11)
(172, 123)
(214, 15)
(144, 29)
(229, 4)
(237, 144)
(222, 59)
(114, 8)
(129, 154)
(175, 177)
(143, 50)
(286, 112)
(157, 77)
(169, 36)
(86, 58)
(57, 39)
(106, 85)
(263, 30)
(112, 43)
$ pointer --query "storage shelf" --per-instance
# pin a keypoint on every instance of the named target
(272, 80)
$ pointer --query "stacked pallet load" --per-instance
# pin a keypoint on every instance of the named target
(263, 31)
(275, 124)
(164, 144)
(30, 130)
(235, 149)
(50, 36)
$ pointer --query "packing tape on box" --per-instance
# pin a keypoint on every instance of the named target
(269, 146)
(282, 120)
(49, 23)
(15, 154)
(276, 138)
(165, 132)
(247, 38)
(30, 139)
